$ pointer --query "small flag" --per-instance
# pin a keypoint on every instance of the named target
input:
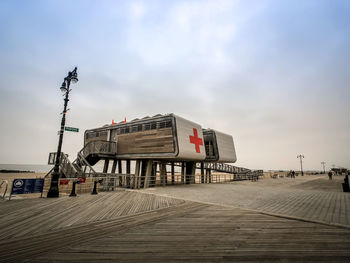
(113, 122)
(125, 119)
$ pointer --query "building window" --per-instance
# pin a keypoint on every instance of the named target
(169, 124)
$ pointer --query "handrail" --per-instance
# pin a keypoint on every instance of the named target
(67, 167)
(75, 168)
(98, 146)
(223, 167)
(49, 172)
(7, 183)
(81, 158)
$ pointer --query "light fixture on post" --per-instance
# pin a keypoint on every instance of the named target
(71, 77)
(63, 87)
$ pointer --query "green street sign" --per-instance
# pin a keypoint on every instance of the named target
(71, 129)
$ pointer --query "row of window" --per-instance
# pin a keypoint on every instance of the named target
(96, 134)
(134, 128)
(145, 127)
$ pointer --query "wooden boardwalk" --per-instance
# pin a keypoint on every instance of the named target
(130, 226)
(313, 198)
(19, 218)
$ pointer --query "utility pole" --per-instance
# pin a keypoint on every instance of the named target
(71, 77)
(301, 163)
(323, 164)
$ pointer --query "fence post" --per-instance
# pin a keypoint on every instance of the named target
(94, 191)
(73, 189)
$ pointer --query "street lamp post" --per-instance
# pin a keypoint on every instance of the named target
(71, 77)
(324, 169)
(301, 163)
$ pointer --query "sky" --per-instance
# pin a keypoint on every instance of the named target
(274, 74)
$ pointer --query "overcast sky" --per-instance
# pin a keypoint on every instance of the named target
(273, 74)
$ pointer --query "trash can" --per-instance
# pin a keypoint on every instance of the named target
(345, 187)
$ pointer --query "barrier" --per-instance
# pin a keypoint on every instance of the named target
(27, 186)
(4, 182)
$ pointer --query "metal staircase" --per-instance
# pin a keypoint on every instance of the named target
(96, 150)
(86, 157)
(67, 169)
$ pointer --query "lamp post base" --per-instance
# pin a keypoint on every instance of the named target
(94, 191)
(53, 192)
(73, 190)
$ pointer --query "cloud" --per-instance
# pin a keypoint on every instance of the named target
(194, 32)
(273, 74)
(137, 11)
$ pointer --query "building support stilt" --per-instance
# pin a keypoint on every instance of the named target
(120, 171)
(172, 173)
(153, 174)
(105, 166)
(190, 172)
(148, 173)
(163, 174)
(202, 172)
(128, 173)
(137, 179)
(182, 172)
(114, 166)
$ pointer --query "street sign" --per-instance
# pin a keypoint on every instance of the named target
(27, 186)
(71, 129)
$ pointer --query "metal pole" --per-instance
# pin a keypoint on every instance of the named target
(324, 169)
(53, 191)
(73, 189)
(301, 163)
(94, 191)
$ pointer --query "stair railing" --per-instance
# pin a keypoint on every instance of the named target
(94, 147)
(67, 168)
(83, 164)
(4, 184)
(98, 147)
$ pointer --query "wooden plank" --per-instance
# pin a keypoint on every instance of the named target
(152, 141)
(20, 248)
(213, 234)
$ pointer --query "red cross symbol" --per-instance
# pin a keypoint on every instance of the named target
(196, 140)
